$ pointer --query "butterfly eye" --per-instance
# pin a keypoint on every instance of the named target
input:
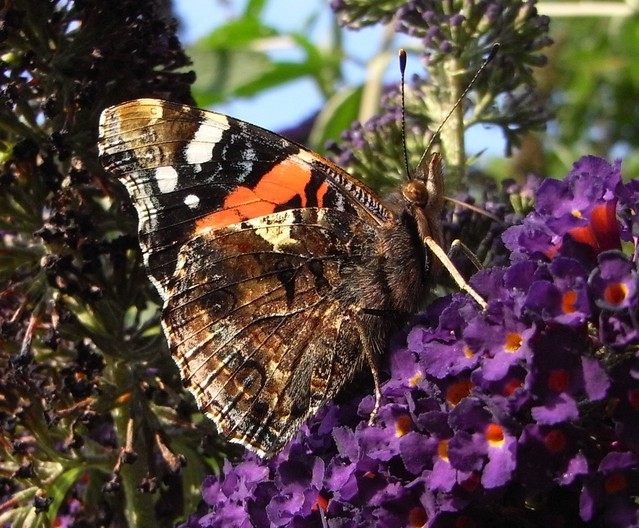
(415, 192)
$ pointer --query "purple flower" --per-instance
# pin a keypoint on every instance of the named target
(500, 339)
(609, 493)
(533, 400)
(561, 375)
(628, 195)
(614, 282)
(580, 208)
(613, 285)
(625, 395)
(545, 451)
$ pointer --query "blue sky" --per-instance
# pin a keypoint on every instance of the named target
(286, 106)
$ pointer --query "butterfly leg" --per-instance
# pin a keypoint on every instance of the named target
(457, 246)
(372, 361)
(461, 282)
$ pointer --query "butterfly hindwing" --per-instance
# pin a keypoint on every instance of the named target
(256, 322)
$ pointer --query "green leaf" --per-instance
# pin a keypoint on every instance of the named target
(254, 8)
(236, 34)
(279, 73)
(223, 72)
(233, 61)
(337, 115)
(60, 487)
(241, 73)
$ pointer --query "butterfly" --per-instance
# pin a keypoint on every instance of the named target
(281, 275)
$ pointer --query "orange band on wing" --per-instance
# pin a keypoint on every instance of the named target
(280, 185)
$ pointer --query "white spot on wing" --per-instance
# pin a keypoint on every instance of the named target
(191, 201)
(205, 138)
(245, 166)
(166, 178)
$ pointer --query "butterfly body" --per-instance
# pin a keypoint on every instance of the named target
(281, 275)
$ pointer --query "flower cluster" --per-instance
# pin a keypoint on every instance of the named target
(464, 31)
(525, 414)
(443, 26)
(372, 151)
(457, 37)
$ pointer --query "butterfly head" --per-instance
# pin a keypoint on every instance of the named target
(415, 192)
(423, 197)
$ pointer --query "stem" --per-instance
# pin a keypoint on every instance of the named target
(452, 134)
(138, 507)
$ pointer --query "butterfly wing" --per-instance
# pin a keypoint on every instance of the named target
(251, 241)
(188, 169)
(256, 324)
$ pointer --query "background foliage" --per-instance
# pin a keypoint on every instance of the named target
(92, 411)
(590, 80)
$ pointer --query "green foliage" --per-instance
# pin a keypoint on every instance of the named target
(90, 399)
(593, 81)
(234, 61)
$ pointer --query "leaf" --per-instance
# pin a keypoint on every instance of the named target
(279, 73)
(242, 73)
(337, 115)
(60, 487)
(233, 61)
(236, 34)
(223, 72)
(254, 8)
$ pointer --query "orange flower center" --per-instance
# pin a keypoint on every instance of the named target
(442, 450)
(512, 386)
(402, 426)
(494, 434)
(568, 301)
(415, 379)
(458, 391)
(417, 517)
(513, 342)
(558, 380)
(615, 483)
(616, 293)
(633, 398)
(555, 441)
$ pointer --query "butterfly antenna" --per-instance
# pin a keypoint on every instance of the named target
(402, 71)
(490, 57)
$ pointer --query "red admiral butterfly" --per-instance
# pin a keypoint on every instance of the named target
(281, 275)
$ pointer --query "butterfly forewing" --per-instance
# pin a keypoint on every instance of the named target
(188, 169)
